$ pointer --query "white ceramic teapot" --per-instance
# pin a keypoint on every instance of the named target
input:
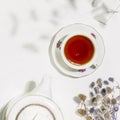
(36, 104)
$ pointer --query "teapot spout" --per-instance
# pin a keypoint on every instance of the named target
(30, 85)
(44, 88)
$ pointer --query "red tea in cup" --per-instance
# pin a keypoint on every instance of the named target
(79, 49)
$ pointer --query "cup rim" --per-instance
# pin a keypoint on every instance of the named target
(73, 65)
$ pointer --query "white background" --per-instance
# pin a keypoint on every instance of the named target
(26, 30)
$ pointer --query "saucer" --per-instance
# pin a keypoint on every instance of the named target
(55, 47)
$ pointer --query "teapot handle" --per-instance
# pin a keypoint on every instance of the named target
(44, 88)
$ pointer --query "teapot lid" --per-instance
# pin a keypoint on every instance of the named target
(34, 107)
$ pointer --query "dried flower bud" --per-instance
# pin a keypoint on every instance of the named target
(103, 92)
(107, 100)
(96, 89)
(106, 82)
(99, 98)
(82, 97)
(92, 110)
(82, 112)
(92, 85)
(108, 90)
(89, 118)
(99, 82)
(116, 108)
(111, 79)
(113, 101)
(107, 115)
(93, 100)
(103, 109)
(91, 94)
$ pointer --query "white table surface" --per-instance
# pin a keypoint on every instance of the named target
(26, 29)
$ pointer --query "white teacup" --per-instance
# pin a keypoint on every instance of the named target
(90, 38)
(61, 61)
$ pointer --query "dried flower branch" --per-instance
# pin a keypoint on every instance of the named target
(103, 102)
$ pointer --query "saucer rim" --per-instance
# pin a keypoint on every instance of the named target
(62, 70)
